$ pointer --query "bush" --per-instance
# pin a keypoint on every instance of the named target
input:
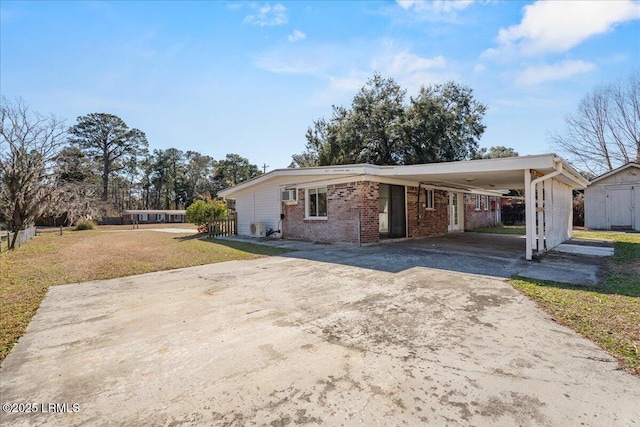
(85, 224)
(201, 212)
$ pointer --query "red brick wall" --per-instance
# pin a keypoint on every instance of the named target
(483, 218)
(344, 201)
(433, 222)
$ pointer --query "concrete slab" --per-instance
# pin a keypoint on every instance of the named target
(288, 340)
(585, 276)
(496, 255)
(584, 250)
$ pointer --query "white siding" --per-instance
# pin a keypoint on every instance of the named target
(558, 210)
(262, 205)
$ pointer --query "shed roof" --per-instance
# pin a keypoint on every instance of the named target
(616, 171)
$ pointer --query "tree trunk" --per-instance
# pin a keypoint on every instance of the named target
(17, 226)
(105, 174)
(12, 244)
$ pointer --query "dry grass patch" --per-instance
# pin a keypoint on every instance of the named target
(78, 256)
(607, 314)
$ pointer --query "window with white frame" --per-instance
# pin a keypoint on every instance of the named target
(477, 202)
(316, 203)
(143, 217)
(428, 204)
(486, 203)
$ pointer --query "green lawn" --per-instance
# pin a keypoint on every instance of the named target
(50, 259)
(503, 229)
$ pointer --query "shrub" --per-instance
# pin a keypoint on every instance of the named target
(85, 224)
(201, 212)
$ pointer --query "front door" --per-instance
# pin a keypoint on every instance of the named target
(455, 200)
(392, 211)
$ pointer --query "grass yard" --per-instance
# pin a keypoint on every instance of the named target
(609, 314)
(503, 229)
(104, 253)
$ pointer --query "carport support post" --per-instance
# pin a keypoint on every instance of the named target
(529, 217)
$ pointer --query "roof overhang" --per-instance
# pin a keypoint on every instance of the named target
(481, 176)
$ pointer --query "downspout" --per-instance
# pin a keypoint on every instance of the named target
(418, 202)
(557, 164)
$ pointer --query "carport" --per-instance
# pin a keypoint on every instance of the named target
(547, 180)
(293, 202)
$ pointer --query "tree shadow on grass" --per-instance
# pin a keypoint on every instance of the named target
(198, 236)
(251, 248)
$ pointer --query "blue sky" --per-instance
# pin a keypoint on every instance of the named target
(250, 77)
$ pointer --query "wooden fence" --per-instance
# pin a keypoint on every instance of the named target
(23, 237)
(224, 227)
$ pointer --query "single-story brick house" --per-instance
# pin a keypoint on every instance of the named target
(366, 203)
(612, 201)
(147, 216)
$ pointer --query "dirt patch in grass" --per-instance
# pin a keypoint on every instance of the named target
(104, 253)
(607, 314)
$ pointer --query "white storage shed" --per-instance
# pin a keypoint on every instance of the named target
(612, 201)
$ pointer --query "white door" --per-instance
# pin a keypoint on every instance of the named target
(620, 207)
(454, 211)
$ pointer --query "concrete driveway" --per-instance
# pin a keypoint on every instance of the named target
(329, 335)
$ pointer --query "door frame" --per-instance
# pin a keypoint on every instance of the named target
(455, 228)
(392, 233)
(610, 206)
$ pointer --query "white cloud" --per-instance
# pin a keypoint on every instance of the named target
(297, 35)
(407, 63)
(346, 67)
(268, 15)
(542, 73)
(557, 26)
(435, 6)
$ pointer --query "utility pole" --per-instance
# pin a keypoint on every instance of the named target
(264, 167)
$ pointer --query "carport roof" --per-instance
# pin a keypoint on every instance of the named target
(479, 175)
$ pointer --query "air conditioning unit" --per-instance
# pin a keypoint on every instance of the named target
(258, 229)
(290, 196)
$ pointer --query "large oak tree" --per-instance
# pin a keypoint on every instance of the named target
(443, 123)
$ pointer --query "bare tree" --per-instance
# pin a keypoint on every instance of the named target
(29, 143)
(75, 200)
(604, 132)
(77, 184)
